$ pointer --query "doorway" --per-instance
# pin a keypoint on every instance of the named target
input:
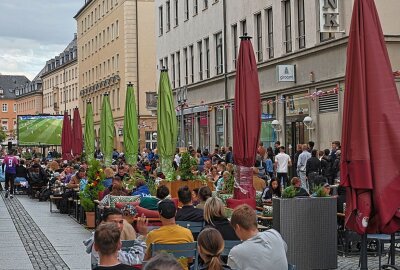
(296, 133)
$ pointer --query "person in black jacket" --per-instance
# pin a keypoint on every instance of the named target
(313, 167)
(214, 216)
(326, 166)
(188, 212)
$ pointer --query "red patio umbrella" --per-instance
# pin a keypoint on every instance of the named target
(77, 145)
(247, 119)
(66, 138)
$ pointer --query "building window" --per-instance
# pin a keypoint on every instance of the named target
(259, 37)
(270, 28)
(178, 69)
(5, 107)
(195, 7)
(15, 107)
(176, 12)
(151, 139)
(168, 10)
(207, 45)
(219, 127)
(166, 62)
(218, 53)
(151, 100)
(328, 103)
(234, 44)
(205, 4)
(185, 55)
(243, 25)
(200, 50)
(117, 28)
(160, 20)
(326, 36)
(186, 8)
(173, 69)
(191, 63)
(4, 125)
(288, 26)
(301, 24)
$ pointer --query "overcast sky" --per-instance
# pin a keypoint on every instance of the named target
(34, 31)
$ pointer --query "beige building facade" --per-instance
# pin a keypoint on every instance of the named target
(116, 45)
(301, 70)
(60, 82)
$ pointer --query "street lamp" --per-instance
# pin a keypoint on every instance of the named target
(181, 96)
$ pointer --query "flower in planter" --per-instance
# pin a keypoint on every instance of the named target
(95, 176)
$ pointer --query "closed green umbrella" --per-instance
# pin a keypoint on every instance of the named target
(106, 130)
(167, 126)
(89, 132)
(131, 138)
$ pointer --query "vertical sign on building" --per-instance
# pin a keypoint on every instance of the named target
(329, 16)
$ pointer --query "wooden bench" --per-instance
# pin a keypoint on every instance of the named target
(54, 199)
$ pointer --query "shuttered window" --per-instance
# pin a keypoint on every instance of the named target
(328, 103)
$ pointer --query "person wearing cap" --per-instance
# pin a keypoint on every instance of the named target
(169, 232)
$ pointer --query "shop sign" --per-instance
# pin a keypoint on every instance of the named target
(286, 73)
(329, 16)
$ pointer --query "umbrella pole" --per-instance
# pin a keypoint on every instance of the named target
(392, 249)
(363, 255)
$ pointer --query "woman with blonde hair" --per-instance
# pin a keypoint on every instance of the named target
(210, 246)
(109, 174)
(214, 216)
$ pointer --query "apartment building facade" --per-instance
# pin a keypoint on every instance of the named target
(116, 45)
(60, 82)
(29, 97)
(301, 69)
(9, 85)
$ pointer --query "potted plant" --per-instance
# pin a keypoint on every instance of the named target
(309, 227)
(90, 192)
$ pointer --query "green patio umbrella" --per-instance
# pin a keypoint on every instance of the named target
(89, 132)
(167, 126)
(106, 130)
(131, 137)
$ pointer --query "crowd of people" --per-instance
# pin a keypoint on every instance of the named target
(308, 168)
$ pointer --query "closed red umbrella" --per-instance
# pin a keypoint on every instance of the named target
(66, 138)
(77, 146)
(246, 119)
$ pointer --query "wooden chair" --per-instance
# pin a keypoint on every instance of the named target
(186, 250)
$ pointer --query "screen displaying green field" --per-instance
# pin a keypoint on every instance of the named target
(39, 129)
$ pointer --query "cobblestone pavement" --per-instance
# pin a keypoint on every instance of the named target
(39, 249)
(351, 262)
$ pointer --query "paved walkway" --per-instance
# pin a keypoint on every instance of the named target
(34, 238)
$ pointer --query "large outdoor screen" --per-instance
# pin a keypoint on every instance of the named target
(39, 130)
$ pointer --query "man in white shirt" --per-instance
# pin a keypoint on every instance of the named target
(282, 163)
(301, 166)
(259, 250)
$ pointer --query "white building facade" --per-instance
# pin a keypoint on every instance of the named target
(301, 70)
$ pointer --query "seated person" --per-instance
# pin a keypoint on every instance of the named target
(259, 250)
(135, 254)
(195, 196)
(169, 232)
(210, 246)
(141, 189)
(116, 181)
(326, 190)
(122, 172)
(258, 183)
(76, 179)
(203, 195)
(222, 180)
(151, 202)
(214, 216)
(108, 173)
(107, 243)
(301, 192)
(273, 190)
(188, 212)
(163, 261)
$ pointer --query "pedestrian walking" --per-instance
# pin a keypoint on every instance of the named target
(10, 163)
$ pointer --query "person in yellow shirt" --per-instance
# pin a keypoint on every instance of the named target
(169, 232)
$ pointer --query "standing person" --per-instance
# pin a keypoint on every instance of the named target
(277, 147)
(10, 162)
(313, 168)
(301, 166)
(336, 166)
(229, 155)
(326, 166)
(296, 159)
(282, 163)
(259, 250)
(310, 146)
(261, 150)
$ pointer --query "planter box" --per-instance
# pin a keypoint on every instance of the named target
(173, 186)
(309, 227)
